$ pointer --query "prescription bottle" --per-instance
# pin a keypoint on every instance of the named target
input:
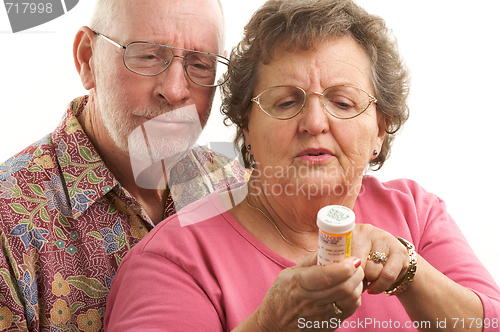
(335, 224)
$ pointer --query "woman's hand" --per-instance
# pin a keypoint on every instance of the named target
(379, 276)
(307, 293)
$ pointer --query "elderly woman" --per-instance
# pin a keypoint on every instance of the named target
(317, 92)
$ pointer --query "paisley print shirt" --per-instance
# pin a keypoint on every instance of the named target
(66, 224)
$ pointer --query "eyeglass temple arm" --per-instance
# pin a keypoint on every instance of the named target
(112, 42)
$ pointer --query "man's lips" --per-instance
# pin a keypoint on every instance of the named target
(160, 119)
(161, 127)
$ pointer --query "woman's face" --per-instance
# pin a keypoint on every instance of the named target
(314, 153)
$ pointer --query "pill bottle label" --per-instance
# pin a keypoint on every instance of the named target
(333, 247)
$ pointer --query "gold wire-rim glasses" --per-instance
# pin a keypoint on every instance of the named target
(371, 99)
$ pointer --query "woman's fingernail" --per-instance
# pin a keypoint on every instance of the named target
(357, 262)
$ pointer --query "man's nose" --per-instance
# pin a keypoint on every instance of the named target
(173, 84)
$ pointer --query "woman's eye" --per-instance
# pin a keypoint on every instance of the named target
(286, 104)
(342, 104)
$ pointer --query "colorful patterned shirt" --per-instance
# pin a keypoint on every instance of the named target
(66, 224)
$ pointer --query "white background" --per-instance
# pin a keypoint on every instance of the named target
(449, 145)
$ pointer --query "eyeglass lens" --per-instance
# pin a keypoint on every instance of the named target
(152, 59)
(284, 102)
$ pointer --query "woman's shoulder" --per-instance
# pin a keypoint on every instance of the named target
(403, 195)
(397, 187)
(402, 207)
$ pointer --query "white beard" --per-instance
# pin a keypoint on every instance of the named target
(164, 150)
(153, 152)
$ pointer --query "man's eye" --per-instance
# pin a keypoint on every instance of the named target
(149, 57)
(199, 66)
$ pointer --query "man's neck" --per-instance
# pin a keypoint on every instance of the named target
(118, 162)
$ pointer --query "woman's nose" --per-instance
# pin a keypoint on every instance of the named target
(314, 117)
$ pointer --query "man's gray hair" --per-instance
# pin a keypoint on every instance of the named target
(102, 15)
(105, 10)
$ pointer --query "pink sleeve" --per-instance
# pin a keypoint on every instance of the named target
(445, 247)
(140, 301)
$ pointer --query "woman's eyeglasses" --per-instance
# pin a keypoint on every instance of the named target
(342, 101)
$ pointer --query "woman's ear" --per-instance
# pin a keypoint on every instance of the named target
(246, 136)
(82, 55)
(383, 123)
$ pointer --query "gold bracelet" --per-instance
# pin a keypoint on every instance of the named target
(410, 272)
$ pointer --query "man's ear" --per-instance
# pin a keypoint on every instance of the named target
(83, 49)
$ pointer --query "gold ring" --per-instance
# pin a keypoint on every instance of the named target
(336, 309)
(377, 257)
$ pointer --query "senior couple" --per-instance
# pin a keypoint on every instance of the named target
(314, 85)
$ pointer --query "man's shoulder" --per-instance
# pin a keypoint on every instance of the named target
(32, 159)
(24, 183)
(206, 154)
(42, 154)
(212, 160)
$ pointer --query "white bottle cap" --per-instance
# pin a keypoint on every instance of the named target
(336, 219)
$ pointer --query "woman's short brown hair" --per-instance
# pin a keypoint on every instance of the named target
(302, 24)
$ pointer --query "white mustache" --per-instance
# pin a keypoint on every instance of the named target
(185, 114)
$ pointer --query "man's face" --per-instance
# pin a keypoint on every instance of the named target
(127, 100)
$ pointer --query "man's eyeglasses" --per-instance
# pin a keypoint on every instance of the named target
(342, 101)
(150, 59)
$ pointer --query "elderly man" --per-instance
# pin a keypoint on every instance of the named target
(75, 202)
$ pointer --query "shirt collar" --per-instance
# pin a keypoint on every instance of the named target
(85, 176)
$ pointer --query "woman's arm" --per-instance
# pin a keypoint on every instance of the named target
(447, 305)
(443, 298)
(450, 281)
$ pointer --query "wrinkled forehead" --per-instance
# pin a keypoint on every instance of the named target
(192, 24)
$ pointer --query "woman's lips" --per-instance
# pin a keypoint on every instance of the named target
(314, 155)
